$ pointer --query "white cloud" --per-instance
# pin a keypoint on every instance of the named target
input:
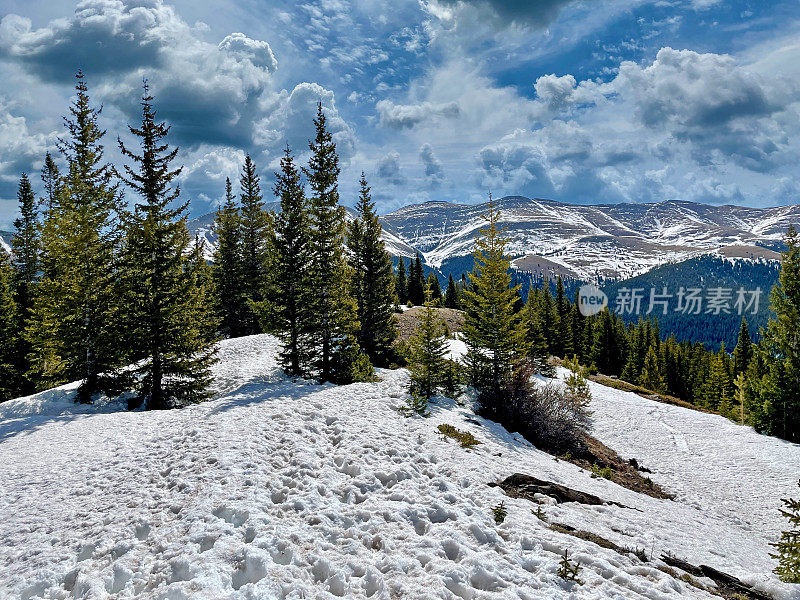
(401, 116)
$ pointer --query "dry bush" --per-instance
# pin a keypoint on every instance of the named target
(544, 414)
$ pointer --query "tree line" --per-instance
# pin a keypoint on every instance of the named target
(117, 295)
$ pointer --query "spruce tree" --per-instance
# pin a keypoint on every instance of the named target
(788, 555)
(227, 275)
(373, 280)
(401, 286)
(51, 180)
(536, 340)
(776, 393)
(11, 358)
(25, 247)
(563, 323)
(416, 282)
(428, 347)
(256, 224)
(292, 295)
(432, 282)
(651, 377)
(451, 299)
(74, 331)
(743, 352)
(494, 333)
(168, 319)
(337, 357)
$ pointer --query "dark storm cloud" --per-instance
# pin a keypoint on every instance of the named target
(531, 12)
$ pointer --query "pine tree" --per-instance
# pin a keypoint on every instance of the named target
(51, 180)
(776, 393)
(427, 351)
(416, 282)
(373, 280)
(651, 377)
(788, 547)
(401, 286)
(563, 324)
(292, 296)
(256, 224)
(451, 299)
(73, 331)
(227, 275)
(337, 356)
(494, 333)
(25, 247)
(168, 322)
(11, 357)
(743, 352)
(536, 340)
(432, 282)
(606, 345)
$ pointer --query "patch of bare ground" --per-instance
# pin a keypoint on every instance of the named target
(408, 321)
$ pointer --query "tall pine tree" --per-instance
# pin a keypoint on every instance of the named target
(373, 280)
(227, 275)
(494, 333)
(337, 355)
(401, 286)
(168, 320)
(11, 359)
(292, 296)
(256, 225)
(25, 246)
(427, 354)
(776, 393)
(73, 330)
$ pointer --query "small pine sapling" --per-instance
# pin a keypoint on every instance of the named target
(567, 570)
(500, 513)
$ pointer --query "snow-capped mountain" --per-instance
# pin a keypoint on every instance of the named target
(587, 241)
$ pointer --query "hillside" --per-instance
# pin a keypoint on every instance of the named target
(578, 241)
(283, 489)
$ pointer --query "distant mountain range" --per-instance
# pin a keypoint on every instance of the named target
(577, 241)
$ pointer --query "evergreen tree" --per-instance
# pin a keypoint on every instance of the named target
(25, 247)
(11, 358)
(651, 377)
(743, 352)
(337, 356)
(536, 340)
(428, 347)
(788, 547)
(51, 180)
(563, 324)
(401, 286)
(73, 330)
(776, 393)
(226, 273)
(373, 280)
(168, 320)
(494, 333)
(416, 282)
(607, 350)
(256, 224)
(292, 296)
(451, 294)
(432, 282)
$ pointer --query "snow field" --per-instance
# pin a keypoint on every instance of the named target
(283, 489)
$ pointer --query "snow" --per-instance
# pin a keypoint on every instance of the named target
(279, 488)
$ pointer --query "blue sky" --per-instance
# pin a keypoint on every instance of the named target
(589, 101)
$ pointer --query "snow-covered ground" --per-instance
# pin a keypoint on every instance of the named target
(283, 489)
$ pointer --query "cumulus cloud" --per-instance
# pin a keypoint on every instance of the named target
(388, 169)
(434, 169)
(406, 116)
(209, 92)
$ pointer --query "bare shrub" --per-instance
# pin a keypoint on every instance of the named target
(545, 415)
